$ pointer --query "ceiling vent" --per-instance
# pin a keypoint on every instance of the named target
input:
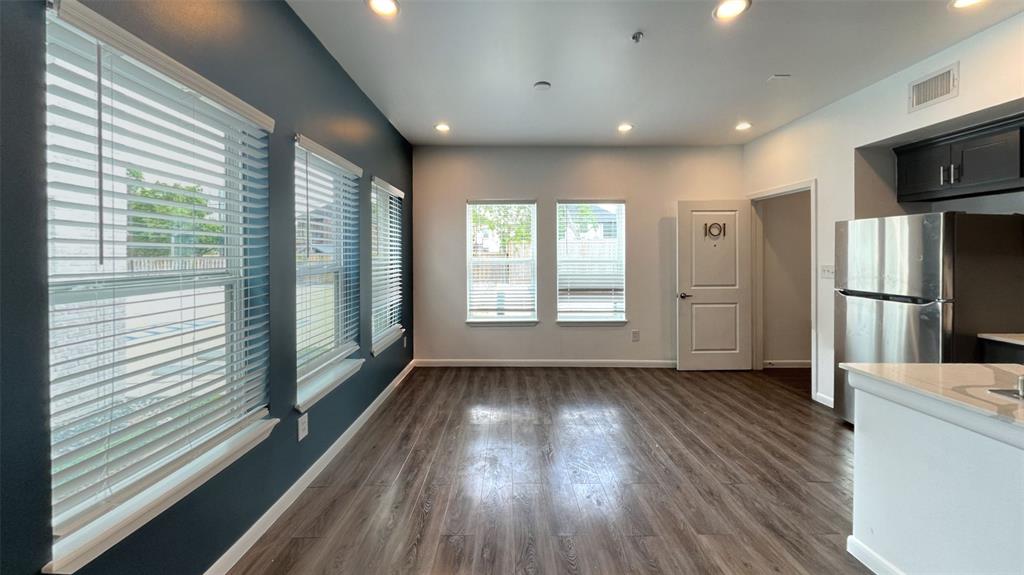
(934, 88)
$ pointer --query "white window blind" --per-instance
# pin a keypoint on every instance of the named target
(502, 261)
(157, 240)
(591, 261)
(326, 256)
(386, 246)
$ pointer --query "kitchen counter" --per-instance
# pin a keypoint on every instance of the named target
(963, 385)
(1010, 338)
(938, 466)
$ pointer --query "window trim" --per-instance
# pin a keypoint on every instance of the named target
(572, 321)
(77, 14)
(390, 189)
(324, 374)
(502, 322)
(311, 146)
(310, 368)
(327, 361)
(76, 550)
(497, 321)
(183, 475)
(384, 340)
(381, 341)
(316, 384)
(592, 322)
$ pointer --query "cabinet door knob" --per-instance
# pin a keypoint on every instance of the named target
(952, 173)
(942, 175)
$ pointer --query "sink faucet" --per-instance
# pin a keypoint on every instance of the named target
(1014, 393)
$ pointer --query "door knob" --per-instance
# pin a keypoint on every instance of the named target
(684, 295)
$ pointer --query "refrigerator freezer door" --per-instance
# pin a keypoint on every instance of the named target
(908, 256)
(884, 331)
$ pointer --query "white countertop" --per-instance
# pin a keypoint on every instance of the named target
(1010, 338)
(938, 466)
(964, 385)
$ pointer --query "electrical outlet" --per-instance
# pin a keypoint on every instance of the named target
(636, 335)
(828, 272)
(303, 426)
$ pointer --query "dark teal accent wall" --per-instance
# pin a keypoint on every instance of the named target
(262, 53)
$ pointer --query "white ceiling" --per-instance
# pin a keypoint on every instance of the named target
(473, 64)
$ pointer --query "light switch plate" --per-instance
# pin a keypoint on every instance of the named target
(635, 335)
(303, 426)
(828, 272)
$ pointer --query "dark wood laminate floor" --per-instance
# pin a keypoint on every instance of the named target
(569, 470)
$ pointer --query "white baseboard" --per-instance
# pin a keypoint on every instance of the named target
(873, 561)
(246, 541)
(787, 363)
(545, 363)
(824, 399)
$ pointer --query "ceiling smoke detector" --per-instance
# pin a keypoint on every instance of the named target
(637, 36)
(542, 86)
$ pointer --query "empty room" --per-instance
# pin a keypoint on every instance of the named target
(511, 287)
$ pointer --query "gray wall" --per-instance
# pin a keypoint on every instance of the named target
(262, 53)
(650, 180)
(786, 223)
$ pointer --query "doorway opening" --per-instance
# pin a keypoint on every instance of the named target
(785, 298)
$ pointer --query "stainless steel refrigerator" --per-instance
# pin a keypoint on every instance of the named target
(919, 288)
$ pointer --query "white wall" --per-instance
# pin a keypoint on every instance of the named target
(786, 225)
(650, 180)
(821, 145)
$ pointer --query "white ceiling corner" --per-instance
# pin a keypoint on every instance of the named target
(473, 64)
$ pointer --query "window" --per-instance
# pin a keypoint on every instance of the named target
(157, 242)
(386, 246)
(591, 261)
(326, 268)
(501, 260)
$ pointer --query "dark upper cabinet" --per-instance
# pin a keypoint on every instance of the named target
(982, 160)
(923, 169)
(986, 159)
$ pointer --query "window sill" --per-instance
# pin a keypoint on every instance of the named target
(316, 386)
(387, 338)
(592, 322)
(76, 550)
(501, 322)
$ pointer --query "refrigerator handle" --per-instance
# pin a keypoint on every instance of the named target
(874, 296)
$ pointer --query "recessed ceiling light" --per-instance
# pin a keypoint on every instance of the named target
(964, 3)
(625, 127)
(542, 86)
(744, 125)
(385, 8)
(442, 127)
(729, 9)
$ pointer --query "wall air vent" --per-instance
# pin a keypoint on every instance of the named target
(934, 88)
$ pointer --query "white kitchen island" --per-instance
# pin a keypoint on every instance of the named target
(938, 469)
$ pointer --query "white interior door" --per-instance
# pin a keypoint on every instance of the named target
(713, 285)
